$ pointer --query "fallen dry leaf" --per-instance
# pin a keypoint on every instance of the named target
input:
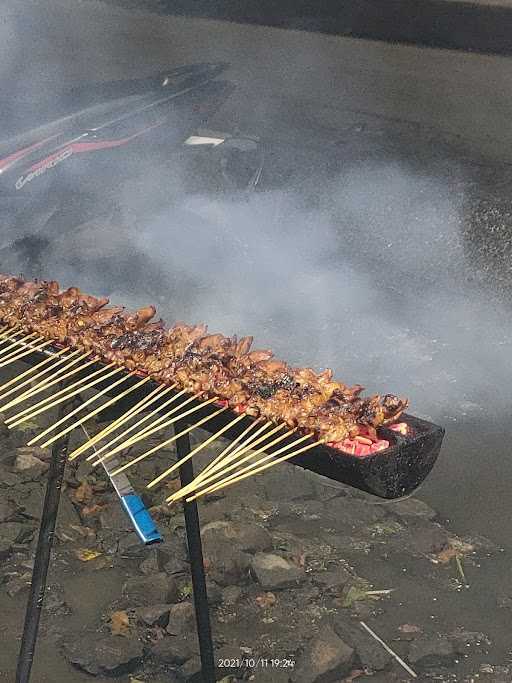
(409, 628)
(266, 600)
(119, 624)
(454, 549)
(86, 554)
(90, 510)
(83, 493)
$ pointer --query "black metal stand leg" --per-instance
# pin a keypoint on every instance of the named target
(43, 552)
(196, 564)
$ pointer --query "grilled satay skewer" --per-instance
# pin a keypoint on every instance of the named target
(213, 365)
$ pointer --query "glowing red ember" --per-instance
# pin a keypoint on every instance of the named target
(400, 427)
(360, 446)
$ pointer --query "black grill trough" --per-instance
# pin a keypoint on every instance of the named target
(391, 473)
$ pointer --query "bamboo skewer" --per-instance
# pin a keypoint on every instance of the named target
(169, 441)
(256, 468)
(8, 342)
(71, 389)
(196, 450)
(23, 342)
(267, 456)
(238, 461)
(13, 357)
(15, 342)
(7, 328)
(247, 445)
(242, 449)
(37, 379)
(227, 456)
(30, 370)
(10, 333)
(54, 379)
(152, 429)
(134, 410)
(251, 443)
(62, 395)
(134, 426)
(100, 408)
(12, 337)
(94, 398)
(226, 451)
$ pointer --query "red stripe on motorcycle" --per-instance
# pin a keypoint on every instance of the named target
(6, 161)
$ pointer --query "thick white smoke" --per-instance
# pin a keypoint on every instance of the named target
(365, 275)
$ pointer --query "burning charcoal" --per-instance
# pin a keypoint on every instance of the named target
(273, 572)
(326, 657)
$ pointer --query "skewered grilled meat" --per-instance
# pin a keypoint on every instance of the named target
(215, 365)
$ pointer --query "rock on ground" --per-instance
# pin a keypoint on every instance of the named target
(369, 652)
(29, 462)
(98, 654)
(175, 649)
(247, 537)
(274, 572)
(431, 652)
(412, 507)
(225, 564)
(155, 615)
(156, 589)
(181, 619)
(326, 659)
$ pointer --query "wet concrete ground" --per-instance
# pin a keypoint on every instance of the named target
(289, 558)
